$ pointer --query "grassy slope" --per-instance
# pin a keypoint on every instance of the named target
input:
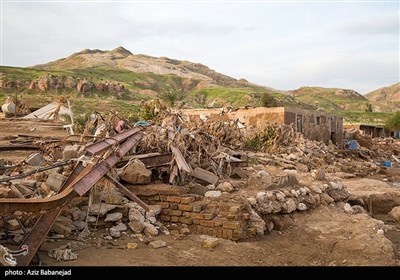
(386, 98)
(352, 109)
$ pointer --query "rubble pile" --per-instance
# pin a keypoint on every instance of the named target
(219, 169)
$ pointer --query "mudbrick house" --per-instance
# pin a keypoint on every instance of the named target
(372, 130)
(314, 125)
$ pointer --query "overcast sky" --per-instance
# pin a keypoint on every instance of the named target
(281, 45)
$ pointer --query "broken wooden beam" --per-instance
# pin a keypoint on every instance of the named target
(180, 160)
(205, 175)
(151, 160)
(16, 192)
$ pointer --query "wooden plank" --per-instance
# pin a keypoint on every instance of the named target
(205, 175)
(395, 158)
(16, 192)
(180, 160)
(150, 160)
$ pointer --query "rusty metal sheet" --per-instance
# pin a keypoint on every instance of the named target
(10, 205)
(18, 147)
(81, 178)
(95, 174)
(106, 143)
(37, 235)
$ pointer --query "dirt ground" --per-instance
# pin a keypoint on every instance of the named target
(325, 236)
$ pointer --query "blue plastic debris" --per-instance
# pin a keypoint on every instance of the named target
(387, 163)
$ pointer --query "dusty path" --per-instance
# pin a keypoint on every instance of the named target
(323, 236)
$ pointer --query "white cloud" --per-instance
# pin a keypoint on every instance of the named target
(283, 45)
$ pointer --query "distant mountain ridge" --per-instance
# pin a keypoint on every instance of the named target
(121, 58)
(120, 77)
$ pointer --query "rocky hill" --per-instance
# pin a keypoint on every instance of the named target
(331, 99)
(386, 98)
(117, 78)
(121, 58)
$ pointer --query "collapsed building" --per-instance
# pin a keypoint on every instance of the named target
(371, 130)
(314, 125)
(183, 174)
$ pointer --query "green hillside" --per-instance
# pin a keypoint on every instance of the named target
(117, 79)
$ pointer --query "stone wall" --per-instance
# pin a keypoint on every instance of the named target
(229, 220)
(232, 217)
(312, 130)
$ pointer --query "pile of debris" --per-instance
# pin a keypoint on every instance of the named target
(84, 182)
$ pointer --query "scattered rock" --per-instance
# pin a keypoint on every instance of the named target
(62, 254)
(114, 198)
(336, 185)
(185, 231)
(136, 173)
(395, 214)
(12, 224)
(158, 244)
(115, 232)
(91, 219)
(225, 187)
(75, 213)
(66, 221)
(301, 207)
(288, 180)
(257, 222)
(61, 229)
(71, 152)
(315, 189)
(136, 226)
(120, 227)
(149, 229)
(295, 193)
(101, 209)
(280, 196)
(131, 245)
(289, 206)
(348, 209)
(55, 181)
(325, 197)
(213, 194)
(252, 201)
(35, 159)
(154, 211)
(210, 243)
(113, 217)
(80, 225)
(320, 175)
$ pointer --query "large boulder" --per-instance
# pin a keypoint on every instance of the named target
(55, 181)
(136, 173)
(395, 214)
